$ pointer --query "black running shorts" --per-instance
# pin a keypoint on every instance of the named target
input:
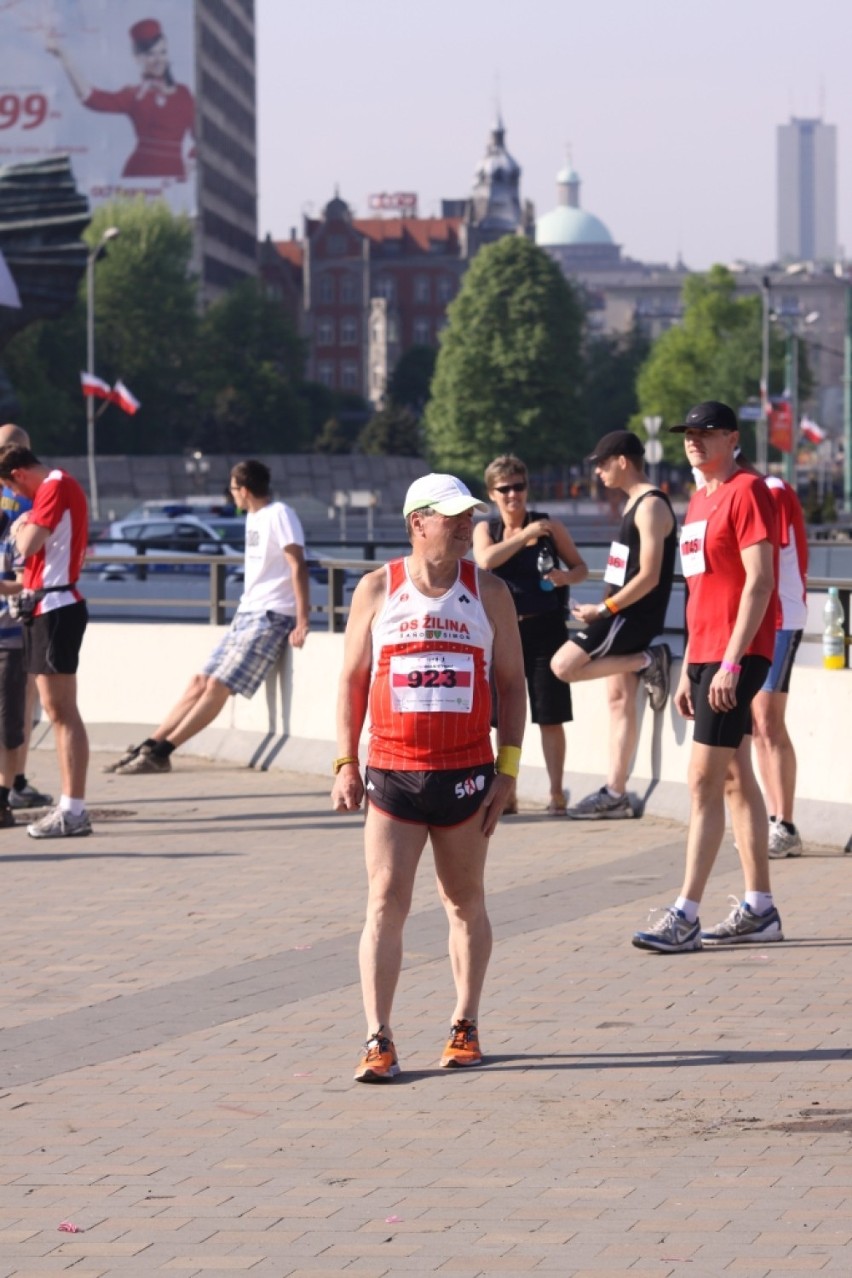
(729, 727)
(53, 640)
(13, 697)
(445, 798)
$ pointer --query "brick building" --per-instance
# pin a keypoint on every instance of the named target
(365, 290)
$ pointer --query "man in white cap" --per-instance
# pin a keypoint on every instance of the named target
(425, 634)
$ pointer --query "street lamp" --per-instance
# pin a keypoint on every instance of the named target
(109, 234)
(763, 423)
(794, 324)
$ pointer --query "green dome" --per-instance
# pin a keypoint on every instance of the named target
(565, 226)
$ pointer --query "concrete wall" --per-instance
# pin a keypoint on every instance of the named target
(130, 675)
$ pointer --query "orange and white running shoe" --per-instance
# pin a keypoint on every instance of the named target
(462, 1046)
(379, 1063)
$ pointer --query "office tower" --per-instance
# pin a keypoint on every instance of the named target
(807, 191)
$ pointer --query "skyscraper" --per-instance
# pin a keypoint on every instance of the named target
(807, 191)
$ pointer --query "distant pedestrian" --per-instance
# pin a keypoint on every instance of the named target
(728, 556)
(51, 539)
(274, 610)
(509, 546)
(773, 746)
(616, 641)
(17, 688)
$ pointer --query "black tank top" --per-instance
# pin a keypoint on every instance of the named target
(521, 574)
(651, 608)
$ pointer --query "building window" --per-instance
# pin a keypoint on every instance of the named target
(348, 289)
(393, 330)
(325, 288)
(384, 288)
(445, 288)
(422, 292)
(348, 332)
(325, 332)
(422, 332)
(325, 373)
(350, 376)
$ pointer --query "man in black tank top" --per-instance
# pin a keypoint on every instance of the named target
(615, 641)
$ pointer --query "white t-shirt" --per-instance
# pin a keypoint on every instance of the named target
(268, 580)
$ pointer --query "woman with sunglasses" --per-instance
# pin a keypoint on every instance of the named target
(509, 546)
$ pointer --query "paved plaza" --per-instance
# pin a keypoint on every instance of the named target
(181, 1018)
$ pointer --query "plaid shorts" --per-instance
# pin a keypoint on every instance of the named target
(253, 644)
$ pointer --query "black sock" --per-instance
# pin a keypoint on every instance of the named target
(788, 826)
(4, 796)
(149, 743)
(18, 784)
(162, 749)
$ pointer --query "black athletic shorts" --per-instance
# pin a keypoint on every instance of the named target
(13, 697)
(550, 699)
(53, 640)
(729, 727)
(617, 635)
(445, 798)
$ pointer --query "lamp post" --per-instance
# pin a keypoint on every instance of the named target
(763, 422)
(794, 326)
(109, 234)
(847, 402)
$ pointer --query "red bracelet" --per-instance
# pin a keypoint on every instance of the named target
(731, 667)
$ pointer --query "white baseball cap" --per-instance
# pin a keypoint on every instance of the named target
(442, 493)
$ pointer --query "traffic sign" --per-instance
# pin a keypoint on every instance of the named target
(653, 452)
(652, 426)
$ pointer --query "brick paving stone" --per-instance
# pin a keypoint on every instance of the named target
(155, 1033)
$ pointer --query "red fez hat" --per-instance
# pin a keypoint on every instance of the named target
(147, 29)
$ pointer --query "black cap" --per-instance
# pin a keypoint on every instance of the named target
(711, 415)
(618, 443)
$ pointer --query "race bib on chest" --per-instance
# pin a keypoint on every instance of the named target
(426, 682)
(616, 564)
(692, 537)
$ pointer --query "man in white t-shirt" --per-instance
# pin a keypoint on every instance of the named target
(274, 610)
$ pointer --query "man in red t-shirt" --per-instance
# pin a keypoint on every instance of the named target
(728, 549)
(51, 538)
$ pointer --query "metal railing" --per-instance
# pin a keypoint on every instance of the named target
(335, 610)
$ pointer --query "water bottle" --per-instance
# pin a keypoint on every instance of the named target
(545, 564)
(833, 638)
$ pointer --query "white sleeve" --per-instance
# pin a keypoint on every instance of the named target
(288, 528)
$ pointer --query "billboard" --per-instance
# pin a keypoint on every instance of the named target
(109, 82)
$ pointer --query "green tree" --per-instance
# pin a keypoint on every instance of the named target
(609, 394)
(250, 370)
(146, 321)
(509, 370)
(393, 432)
(411, 379)
(714, 354)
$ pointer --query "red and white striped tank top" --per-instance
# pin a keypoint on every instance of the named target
(430, 702)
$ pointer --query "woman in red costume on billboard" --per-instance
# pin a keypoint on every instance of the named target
(162, 112)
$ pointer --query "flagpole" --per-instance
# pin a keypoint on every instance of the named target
(109, 234)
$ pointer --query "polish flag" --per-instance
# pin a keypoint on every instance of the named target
(812, 431)
(124, 398)
(95, 386)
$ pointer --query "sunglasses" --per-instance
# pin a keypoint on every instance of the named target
(519, 487)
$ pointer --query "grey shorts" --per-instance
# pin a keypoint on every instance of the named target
(253, 644)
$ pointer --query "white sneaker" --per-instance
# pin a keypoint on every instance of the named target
(782, 843)
(57, 824)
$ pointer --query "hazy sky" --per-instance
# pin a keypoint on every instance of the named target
(669, 107)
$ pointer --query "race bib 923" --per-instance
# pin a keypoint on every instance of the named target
(425, 682)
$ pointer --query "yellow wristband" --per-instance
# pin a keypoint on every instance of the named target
(342, 762)
(508, 760)
(610, 606)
